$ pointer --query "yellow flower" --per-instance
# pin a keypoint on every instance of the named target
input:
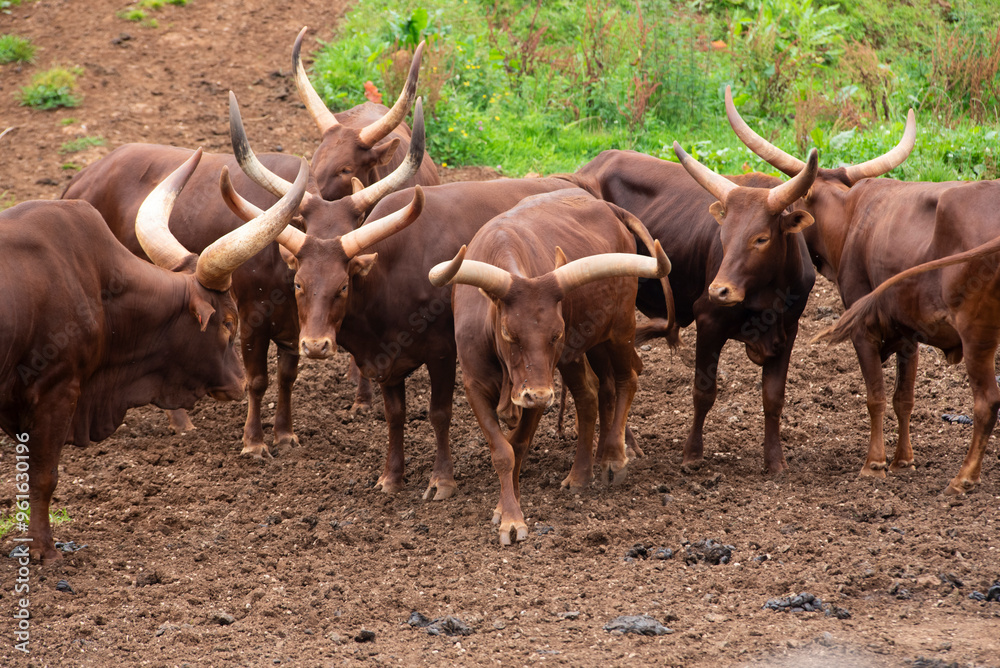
(496, 118)
(444, 164)
(465, 83)
(451, 129)
(464, 133)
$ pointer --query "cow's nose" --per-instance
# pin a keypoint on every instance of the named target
(721, 293)
(316, 348)
(536, 397)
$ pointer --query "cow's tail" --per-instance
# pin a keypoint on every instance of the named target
(658, 327)
(864, 313)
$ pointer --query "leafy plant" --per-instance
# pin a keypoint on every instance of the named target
(51, 89)
(14, 49)
(81, 143)
(8, 522)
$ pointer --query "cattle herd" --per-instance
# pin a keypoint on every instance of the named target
(134, 288)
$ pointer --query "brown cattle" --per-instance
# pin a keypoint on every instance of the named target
(741, 269)
(90, 330)
(531, 314)
(882, 231)
(117, 184)
(373, 299)
(366, 142)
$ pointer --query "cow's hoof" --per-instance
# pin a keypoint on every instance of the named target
(389, 486)
(180, 422)
(519, 529)
(575, 485)
(776, 470)
(497, 516)
(444, 489)
(613, 474)
(290, 440)
(958, 487)
(46, 556)
(873, 471)
(897, 466)
(257, 451)
(361, 406)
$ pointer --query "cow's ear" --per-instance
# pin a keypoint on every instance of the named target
(201, 309)
(361, 265)
(385, 152)
(560, 257)
(356, 185)
(718, 211)
(796, 221)
(289, 258)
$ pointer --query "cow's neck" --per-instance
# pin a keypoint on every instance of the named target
(827, 237)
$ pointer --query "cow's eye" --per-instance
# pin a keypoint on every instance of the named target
(761, 240)
(556, 336)
(298, 286)
(343, 289)
(507, 336)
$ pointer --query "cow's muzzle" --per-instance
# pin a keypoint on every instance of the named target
(320, 348)
(725, 294)
(534, 397)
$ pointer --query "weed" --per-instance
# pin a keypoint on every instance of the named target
(134, 14)
(51, 89)
(67, 121)
(81, 143)
(14, 49)
(56, 517)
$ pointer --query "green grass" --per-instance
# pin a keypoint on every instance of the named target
(506, 88)
(139, 14)
(56, 517)
(14, 49)
(51, 89)
(81, 143)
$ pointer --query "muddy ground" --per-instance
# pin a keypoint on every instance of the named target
(196, 556)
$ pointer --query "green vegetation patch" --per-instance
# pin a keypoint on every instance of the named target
(545, 86)
(8, 522)
(51, 89)
(81, 143)
(14, 49)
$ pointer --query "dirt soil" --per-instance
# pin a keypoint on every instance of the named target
(195, 556)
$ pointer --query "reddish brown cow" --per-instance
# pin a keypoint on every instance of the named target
(372, 298)
(741, 269)
(91, 330)
(117, 185)
(528, 317)
(869, 230)
(366, 142)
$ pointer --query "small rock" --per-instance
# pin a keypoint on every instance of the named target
(645, 346)
(542, 530)
(69, 546)
(839, 613)
(336, 639)
(637, 551)
(664, 553)
(638, 624)
(715, 618)
(977, 596)
(63, 585)
(826, 640)
(570, 615)
(449, 626)
(223, 618)
(164, 627)
(993, 594)
(956, 419)
(708, 551)
(499, 624)
(365, 636)
(418, 620)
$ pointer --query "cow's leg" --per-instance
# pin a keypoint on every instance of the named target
(774, 375)
(288, 371)
(363, 395)
(871, 369)
(255, 348)
(708, 346)
(902, 404)
(612, 458)
(52, 414)
(581, 380)
(511, 517)
(394, 399)
(442, 375)
(180, 421)
(979, 345)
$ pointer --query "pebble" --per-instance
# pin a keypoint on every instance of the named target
(63, 585)
(365, 636)
(223, 618)
(804, 602)
(956, 419)
(643, 625)
(708, 551)
(69, 546)
(443, 626)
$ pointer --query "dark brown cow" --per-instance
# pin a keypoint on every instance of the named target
(372, 298)
(741, 269)
(869, 230)
(90, 330)
(366, 142)
(531, 314)
(117, 185)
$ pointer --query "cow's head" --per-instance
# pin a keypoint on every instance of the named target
(825, 201)
(200, 342)
(328, 259)
(526, 313)
(756, 225)
(347, 152)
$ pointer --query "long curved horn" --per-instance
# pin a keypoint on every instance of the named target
(795, 187)
(611, 265)
(152, 221)
(765, 150)
(324, 117)
(364, 199)
(487, 277)
(378, 130)
(894, 158)
(709, 180)
(371, 233)
(291, 237)
(218, 262)
(249, 163)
